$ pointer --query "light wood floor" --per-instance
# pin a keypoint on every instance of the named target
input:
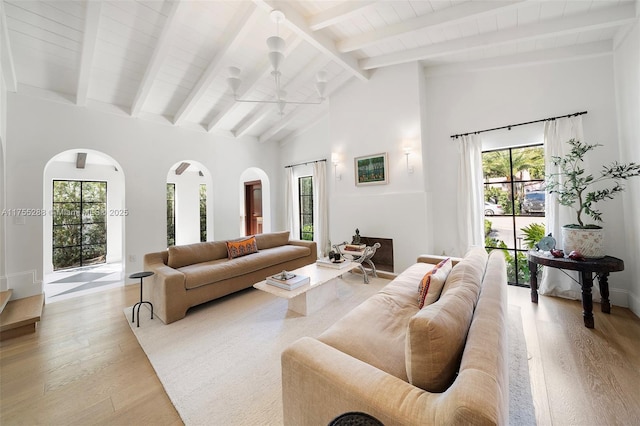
(84, 366)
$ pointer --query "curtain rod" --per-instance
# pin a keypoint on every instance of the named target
(519, 124)
(304, 164)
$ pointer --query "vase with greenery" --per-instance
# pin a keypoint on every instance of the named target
(580, 191)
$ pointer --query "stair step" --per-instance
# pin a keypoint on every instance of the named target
(4, 298)
(20, 316)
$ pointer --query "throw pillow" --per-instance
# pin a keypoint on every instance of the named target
(432, 283)
(242, 247)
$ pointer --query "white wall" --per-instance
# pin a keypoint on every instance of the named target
(627, 77)
(479, 100)
(37, 130)
(380, 115)
(3, 138)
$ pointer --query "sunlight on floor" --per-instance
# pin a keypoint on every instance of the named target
(61, 285)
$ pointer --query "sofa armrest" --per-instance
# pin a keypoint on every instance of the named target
(167, 284)
(320, 382)
(309, 244)
(434, 259)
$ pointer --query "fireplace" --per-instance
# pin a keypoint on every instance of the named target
(383, 259)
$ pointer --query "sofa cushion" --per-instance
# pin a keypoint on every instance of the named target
(190, 254)
(436, 335)
(272, 239)
(374, 332)
(432, 283)
(223, 269)
(243, 247)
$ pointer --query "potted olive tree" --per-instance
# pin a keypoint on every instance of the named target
(574, 188)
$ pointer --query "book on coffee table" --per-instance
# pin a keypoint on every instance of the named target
(292, 281)
(328, 263)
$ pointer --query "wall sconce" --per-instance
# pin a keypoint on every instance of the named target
(407, 151)
(335, 159)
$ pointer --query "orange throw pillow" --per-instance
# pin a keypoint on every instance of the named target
(432, 283)
(242, 247)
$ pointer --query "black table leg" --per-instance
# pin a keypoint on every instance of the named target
(533, 281)
(603, 281)
(586, 282)
(139, 305)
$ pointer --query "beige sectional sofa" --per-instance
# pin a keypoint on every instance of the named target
(186, 276)
(444, 364)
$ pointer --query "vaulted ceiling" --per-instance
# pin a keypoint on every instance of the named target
(169, 61)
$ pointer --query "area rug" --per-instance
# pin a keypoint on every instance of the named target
(221, 364)
(521, 411)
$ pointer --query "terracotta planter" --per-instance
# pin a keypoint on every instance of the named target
(589, 242)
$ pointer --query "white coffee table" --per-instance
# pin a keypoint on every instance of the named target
(310, 297)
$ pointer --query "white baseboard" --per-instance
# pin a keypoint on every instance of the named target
(618, 297)
(634, 303)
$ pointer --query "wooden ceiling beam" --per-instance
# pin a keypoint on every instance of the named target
(160, 52)
(237, 30)
(182, 167)
(81, 160)
(91, 25)
(463, 12)
(599, 19)
(339, 13)
(6, 55)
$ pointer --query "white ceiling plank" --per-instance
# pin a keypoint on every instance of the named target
(92, 22)
(324, 44)
(253, 82)
(566, 53)
(239, 28)
(339, 13)
(157, 58)
(612, 17)
(302, 77)
(465, 12)
(6, 56)
(336, 84)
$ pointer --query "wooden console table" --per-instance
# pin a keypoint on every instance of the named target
(601, 267)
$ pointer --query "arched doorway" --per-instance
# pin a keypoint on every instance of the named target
(255, 202)
(189, 203)
(83, 228)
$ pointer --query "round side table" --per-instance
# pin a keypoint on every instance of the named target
(140, 275)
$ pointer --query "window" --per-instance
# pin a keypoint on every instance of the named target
(203, 212)
(305, 191)
(79, 223)
(514, 205)
(171, 214)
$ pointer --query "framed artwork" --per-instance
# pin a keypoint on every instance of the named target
(372, 170)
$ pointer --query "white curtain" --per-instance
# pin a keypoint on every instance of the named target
(321, 217)
(288, 201)
(554, 281)
(470, 194)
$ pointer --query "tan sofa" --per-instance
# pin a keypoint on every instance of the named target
(444, 364)
(186, 276)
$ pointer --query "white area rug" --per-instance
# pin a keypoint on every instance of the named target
(221, 364)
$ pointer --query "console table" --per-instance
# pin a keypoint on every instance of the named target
(601, 267)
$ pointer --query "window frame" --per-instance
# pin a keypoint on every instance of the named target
(59, 210)
(519, 254)
(302, 214)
